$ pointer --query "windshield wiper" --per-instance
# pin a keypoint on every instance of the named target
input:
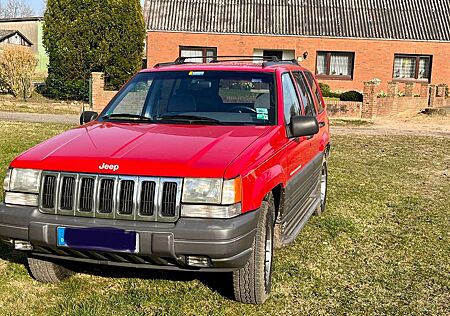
(126, 116)
(189, 118)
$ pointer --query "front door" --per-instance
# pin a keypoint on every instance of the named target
(299, 167)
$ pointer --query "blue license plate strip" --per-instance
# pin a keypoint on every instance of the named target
(98, 239)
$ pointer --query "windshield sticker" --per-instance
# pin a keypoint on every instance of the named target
(262, 111)
(196, 73)
(256, 80)
(262, 117)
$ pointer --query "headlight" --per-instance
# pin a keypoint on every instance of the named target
(7, 180)
(223, 198)
(205, 191)
(25, 180)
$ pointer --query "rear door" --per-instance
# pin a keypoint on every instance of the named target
(322, 118)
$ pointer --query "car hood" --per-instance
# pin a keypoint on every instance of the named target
(143, 149)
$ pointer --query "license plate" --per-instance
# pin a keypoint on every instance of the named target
(99, 239)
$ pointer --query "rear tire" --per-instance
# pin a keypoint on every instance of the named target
(46, 271)
(252, 284)
(322, 189)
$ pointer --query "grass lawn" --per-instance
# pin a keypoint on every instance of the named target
(382, 247)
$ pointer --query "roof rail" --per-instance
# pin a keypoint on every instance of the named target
(267, 60)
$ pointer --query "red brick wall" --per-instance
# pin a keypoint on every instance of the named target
(100, 97)
(373, 58)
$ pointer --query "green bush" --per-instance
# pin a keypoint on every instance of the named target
(82, 36)
(326, 91)
(351, 96)
(325, 88)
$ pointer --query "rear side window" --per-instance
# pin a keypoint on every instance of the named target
(316, 91)
(305, 94)
(291, 102)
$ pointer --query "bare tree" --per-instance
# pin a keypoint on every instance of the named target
(15, 9)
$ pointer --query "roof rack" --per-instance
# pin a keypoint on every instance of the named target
(267, 60)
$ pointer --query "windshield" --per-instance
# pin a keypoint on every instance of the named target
(196, 97)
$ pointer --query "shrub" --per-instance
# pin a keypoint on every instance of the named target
(325, 88)
(17, 66)
(82, 36)
(326, 91)
(351, 96)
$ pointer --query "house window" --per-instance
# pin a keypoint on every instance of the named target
(287, 54)
(335, 65)
(273, 53)
(412, 67)
(205, 52)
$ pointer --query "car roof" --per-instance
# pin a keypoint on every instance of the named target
(228, 66)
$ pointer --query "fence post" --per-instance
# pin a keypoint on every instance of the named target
(393, 97)
(432, 95)
(440, 92)
(409, 89)
(369, 108)
(98, 87)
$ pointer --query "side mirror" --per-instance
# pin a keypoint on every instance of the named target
(304, 126)
(87, 117)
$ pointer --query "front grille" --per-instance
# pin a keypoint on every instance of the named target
(106, 201)
(86, 199)
(169, 199)
(115, 197)
(147, 205)
(48, 192)
(67, 193)
(126, 197)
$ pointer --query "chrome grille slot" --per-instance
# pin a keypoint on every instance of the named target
(86, 201)
(147, 202)
(169, 199)
(67, 193)
(111, 197)
(126, 204)
(49, 192)
(106, 200)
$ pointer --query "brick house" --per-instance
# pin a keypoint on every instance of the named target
(347, 41)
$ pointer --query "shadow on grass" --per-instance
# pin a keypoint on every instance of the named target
(221, 283)
(218, 282)
(7, 253)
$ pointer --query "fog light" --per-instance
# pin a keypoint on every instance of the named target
(197, 261)
(22, 245)
(9, 242)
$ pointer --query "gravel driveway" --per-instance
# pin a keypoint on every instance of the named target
(40, 118)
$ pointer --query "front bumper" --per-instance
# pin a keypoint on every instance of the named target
(226, 243)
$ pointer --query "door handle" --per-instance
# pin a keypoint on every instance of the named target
(322, 124)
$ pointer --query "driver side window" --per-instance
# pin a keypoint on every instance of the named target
(291, 103)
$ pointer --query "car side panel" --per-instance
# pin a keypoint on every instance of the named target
(300, 200)
(263, 167)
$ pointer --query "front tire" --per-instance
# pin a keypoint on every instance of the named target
(252, 284)
(322, 189)
(46, 271)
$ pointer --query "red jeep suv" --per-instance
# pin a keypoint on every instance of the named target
(199, 167)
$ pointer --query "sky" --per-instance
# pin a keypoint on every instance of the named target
(37, 6)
